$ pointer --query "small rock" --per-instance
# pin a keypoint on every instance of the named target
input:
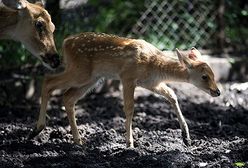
(203, 164)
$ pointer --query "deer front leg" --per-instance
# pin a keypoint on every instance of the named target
(70, 98)
(50, 83)
(40, 125)
(128, 95)
(164, 90)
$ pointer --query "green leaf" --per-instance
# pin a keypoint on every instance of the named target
(239, 164)
(244, 13)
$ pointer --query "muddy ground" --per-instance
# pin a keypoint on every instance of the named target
(218, 128)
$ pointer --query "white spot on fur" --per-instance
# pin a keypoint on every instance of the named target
(73, 45)
(80, 51)
(121, 48)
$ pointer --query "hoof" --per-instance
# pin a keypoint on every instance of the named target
(79, 141)
(186, 139)
(35, 132)
(130, 145)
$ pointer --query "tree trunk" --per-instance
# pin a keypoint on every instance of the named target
(221, 26)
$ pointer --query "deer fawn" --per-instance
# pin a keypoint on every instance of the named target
(89, 57)
(30, 24)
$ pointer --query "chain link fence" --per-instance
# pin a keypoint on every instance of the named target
(177, 23)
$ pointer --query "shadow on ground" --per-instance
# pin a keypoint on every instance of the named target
(218, 127)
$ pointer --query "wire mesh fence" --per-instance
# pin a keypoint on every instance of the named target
(177, 23)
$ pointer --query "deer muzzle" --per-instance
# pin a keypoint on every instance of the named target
(51, 59)
(215, 93)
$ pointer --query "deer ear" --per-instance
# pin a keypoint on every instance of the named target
(40, 3)
(194, 54)
(184, 60)
(15, 4)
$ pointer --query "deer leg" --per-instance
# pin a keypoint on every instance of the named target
(164, 90)
(50, 83)
(128, 95)
(70, 98)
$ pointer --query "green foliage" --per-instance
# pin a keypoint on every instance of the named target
(116, 16)
(239, 164)
(13, 54)
(236, 18)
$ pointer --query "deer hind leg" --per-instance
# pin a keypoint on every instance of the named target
(50, 83)
(128, 95)
(70, 98)
(164, 90)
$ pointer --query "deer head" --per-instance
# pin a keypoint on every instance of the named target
(34, 29)
(200, 73)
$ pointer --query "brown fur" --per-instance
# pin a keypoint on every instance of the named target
(91, 56)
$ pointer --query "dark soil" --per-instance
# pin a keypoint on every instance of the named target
(218, 128)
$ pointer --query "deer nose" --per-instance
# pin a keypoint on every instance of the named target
(217, 92)
(53, 60)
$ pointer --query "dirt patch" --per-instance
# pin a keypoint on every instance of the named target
(218, 128)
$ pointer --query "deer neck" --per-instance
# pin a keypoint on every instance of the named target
(8, 22)
(171, 70)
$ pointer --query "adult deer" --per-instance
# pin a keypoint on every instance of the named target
(89, 57)
(30, 24)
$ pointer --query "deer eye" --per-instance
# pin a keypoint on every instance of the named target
(204, 77)
(39, 26)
